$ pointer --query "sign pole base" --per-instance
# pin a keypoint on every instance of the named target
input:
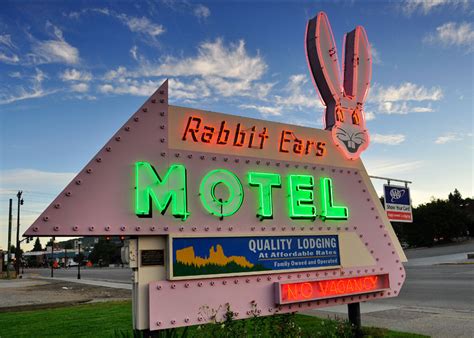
(354, 318)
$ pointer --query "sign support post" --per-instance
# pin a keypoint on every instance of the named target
(52, 257)
(354, 318)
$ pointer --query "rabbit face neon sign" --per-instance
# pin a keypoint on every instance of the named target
(344, 100)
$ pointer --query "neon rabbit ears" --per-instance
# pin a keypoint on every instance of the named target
(344, 99)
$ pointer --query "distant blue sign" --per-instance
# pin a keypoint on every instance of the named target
(200, 256)
(398, 203)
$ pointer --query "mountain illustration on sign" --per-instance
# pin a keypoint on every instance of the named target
(188, 264)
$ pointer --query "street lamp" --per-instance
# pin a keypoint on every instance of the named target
(79, 259)
(52, 256)
(17, 254)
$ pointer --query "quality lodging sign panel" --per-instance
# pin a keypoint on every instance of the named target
(198, 257)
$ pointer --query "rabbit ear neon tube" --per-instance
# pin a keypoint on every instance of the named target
(344, 100)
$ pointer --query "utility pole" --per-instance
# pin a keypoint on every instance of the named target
(9, 237)
(17, 254)
(79, 259)
(52, 257)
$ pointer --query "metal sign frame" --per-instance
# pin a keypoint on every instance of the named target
(152, 155)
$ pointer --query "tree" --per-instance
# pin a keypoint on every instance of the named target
(437, 221)
(456, 198)
(37, 246)
(13, 250)
(68, 245)
(50, 242)
(469, 211)
(106, 252)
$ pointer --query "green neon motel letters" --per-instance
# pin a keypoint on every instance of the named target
(151, 189)
(301, 197)
(328, 209)
(221, 193)
(265, 182)
(217, 205)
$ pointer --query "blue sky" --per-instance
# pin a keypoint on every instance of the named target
(72, 73)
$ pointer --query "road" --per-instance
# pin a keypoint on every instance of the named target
(436, 300)
(100, 274)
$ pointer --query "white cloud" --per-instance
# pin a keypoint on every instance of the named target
(298, 99)
(178, 89)
(54, 51)
(75, 75)
(453, 34)
(106, 88)
(388, 139)
(24, 94)
(214, 59)
(375, 55)
(32, 179)
(369, 116)
(427, 6)
(449, 137)
(400, 99)
(201, 11)
(131, 87)
(296, 95)
(390, 167)
(133, 52)
(264, 110)
(15, 75)
(12, 58)
(141, 25)
(422, 109)
(298, 105)
(407, 91)
(80, 87)
(120, 72)
(6, 39)
(226, 70)
(34, 91)
(188, 91)
(401, 108)
(7, 47)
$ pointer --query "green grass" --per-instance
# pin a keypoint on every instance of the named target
(114, 319)
(88, 320)
(310, 324)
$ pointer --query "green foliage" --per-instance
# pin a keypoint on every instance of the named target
(105, 252)
(278, 325)
(438, 221)
(114, 319)
(68, 244)
(37, 246)
(180, 269)
(13, 250)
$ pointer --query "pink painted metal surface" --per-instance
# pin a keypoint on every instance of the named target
(344, 100)
(183, 303)
(100, 199)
